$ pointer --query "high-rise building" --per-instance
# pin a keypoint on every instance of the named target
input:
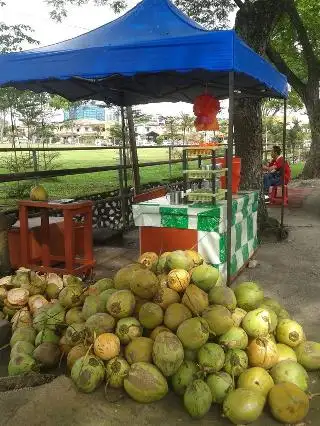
(85, 112)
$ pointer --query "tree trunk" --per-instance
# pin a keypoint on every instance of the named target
(312, 167)
(248, 117)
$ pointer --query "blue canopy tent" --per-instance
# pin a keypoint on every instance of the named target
(154, 53)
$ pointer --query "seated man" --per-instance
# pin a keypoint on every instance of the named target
(273, 171)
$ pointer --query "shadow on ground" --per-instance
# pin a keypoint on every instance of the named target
(289, 271)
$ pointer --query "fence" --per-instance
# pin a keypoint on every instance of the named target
(112, 209)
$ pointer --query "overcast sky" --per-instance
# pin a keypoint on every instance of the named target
(35, 13)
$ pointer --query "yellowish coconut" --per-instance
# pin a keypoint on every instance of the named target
(18, 296)
(149, 260)
(195, 256)
(178, 280)
(195, 299)
(38, 193)
(166, 297)
(107, 346)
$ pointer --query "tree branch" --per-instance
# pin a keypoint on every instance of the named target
(280, 63)
(239, 3)
(296, 20)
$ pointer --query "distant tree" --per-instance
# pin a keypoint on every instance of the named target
(186, 122)
(172, 131)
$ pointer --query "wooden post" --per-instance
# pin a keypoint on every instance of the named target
(133, 150)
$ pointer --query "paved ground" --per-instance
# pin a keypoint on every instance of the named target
(288, 270)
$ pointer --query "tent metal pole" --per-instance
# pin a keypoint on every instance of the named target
(229, 166)
(124, 155)
(284, 140)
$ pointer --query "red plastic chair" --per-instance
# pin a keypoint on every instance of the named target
(275, 198)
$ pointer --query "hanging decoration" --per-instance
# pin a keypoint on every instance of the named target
(206, 108)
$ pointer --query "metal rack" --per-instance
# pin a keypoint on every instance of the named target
(198, 175)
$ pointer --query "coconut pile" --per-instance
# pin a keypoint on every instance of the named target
(164, 322)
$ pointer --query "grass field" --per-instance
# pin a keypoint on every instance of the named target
(94, 183)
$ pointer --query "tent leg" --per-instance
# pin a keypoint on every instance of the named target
(133, 150)
(124, 155)
(229, 174)
(284, 140)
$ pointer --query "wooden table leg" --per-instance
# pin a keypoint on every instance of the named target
(88, 243)
(45, 238)
(68, 240)
(24, 237)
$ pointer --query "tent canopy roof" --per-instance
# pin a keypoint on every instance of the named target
(153, 53)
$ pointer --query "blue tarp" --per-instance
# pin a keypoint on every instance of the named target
(153, 53)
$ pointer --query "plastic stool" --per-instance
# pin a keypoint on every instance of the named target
(277, 199)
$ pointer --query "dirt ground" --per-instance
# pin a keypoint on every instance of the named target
(289, 271)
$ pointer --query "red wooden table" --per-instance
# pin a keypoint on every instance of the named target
(69, 263)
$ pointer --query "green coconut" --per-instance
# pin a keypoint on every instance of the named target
(273, 317)
(74, 315)
(257, 323)
(249, 295)
(167, 353)
(193, 333)
(211, 357)
(121, 304)
(235, 338)
(21, 364)
(139, 350)
(71, 296)
(37, 285)
(163, 280)
(116, 371)
(223, 296)
(308, 355)
(25, 334)
(184, 376)
(166, 297)
(88, 373)
(175, 315)
(290, 333)
(76, 334)
(257, 379)
(237, 315)
(22, 347)
(99, 324)
(52, 291)
(285, 352)
(75, 353)
(195, 299)
(47, 335)
(179, 260)
(144, 283)
(190, 354)
(105, 295)
(128, 329)
(92, 305)
(197, 399)
(145, 383)
(50, 316)
(47, 354)
(243, 406)
(220, 385)
(100, 286)
(158, 330)
(150, 315)
(218, 318)
(21, 278)
(72, 281)
(273, 304)
(289, 371)
(162, 263)
(123, 277)
(205, 277)
(236, 362)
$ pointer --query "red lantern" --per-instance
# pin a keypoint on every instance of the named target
(205, 108)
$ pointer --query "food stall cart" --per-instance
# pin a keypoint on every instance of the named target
(154, 53)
